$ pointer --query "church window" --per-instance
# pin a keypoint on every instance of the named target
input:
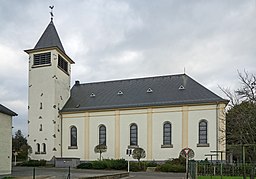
(41, 127)
(41, 106)
(167, 133)
(203, 127)
(38, 148)
(73, 136)
(44, 148)
(133, 135)
(42, 58)
(102, 134)
(62, 64)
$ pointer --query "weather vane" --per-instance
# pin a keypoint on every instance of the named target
(51, 7)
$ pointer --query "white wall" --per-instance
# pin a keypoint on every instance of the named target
(142, 117)
(196, 114)
(50, 86)
(5, 143)
(174, 116)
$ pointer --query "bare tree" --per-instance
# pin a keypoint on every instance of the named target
(241, 118)
(248, 90)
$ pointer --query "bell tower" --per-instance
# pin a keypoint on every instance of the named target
(48, 91)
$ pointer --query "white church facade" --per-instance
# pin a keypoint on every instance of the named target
(161, 114)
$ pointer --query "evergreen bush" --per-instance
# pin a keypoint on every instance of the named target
(86, 165)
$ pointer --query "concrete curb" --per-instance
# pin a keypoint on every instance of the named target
(108, 176)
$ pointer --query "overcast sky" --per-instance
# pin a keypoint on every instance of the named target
(119, 39)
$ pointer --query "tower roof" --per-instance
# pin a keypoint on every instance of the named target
(49, 38)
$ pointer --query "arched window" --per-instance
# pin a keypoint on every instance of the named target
(38, 148)
(44, 148)
(133, 134)
(167, 133)
(73, 136)
(102, 135)
(203, 132)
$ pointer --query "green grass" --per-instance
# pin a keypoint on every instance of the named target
(219, 177)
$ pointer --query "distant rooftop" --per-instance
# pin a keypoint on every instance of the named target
(139, 92)
(7, 111)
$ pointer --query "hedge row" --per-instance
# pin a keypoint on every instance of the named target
(169, 166)
(33, 163)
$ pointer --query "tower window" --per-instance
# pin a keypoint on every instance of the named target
(38, 148)
(44, 148)
(62, 64)
(42, 58)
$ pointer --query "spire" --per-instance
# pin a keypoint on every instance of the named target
(50, 38)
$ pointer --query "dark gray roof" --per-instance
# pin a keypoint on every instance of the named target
(50, 38)
(7, 111)
(140, 92)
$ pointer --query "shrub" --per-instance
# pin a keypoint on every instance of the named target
(134, 167)
(167, 167)
(119, 164)
(99, 164)
(33, 163)
(86, 165)
(151, 164)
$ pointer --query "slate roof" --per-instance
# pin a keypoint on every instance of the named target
(49, 38)
(140, 92)
(7, 111)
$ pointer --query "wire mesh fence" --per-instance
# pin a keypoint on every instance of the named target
(221, 169)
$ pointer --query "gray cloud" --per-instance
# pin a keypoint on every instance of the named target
(118, 39)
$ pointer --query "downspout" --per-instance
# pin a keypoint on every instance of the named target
(61, 124)
(217, 130)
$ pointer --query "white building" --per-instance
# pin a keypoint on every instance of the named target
(162, 114)
(5, 139)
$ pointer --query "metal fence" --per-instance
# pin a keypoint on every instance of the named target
(220, 169)
(61, 175)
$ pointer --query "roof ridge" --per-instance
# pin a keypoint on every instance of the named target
(133, 79)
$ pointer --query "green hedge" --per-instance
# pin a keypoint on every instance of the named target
(33, 163)
(86, 165)
(171, 168)
(175, 165)
(119, 164)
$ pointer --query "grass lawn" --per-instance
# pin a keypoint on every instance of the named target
(219, 177)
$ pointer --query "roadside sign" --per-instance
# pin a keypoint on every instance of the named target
(187, 152)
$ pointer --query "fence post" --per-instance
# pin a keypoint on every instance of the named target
(68, 173)
(34, 173)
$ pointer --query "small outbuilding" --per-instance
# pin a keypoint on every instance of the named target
(5, 139)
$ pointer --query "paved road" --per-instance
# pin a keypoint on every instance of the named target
(61, 173)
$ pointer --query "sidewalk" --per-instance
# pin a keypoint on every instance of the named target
(60, 173)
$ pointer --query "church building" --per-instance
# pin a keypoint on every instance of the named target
(161, 114)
